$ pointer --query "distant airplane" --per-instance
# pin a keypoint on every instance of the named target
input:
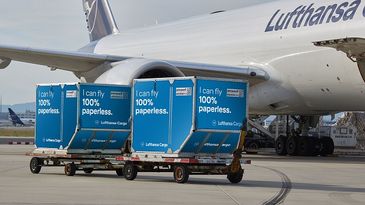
(15, 119)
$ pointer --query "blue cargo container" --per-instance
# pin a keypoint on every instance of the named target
(188, 116)
(83, 118)
(180, 125)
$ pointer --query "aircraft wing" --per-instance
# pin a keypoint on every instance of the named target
(70, 61)
(353, 47)
(80, 62)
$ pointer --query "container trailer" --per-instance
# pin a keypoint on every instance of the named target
(186, 125)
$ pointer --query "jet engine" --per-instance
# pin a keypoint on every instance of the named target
(4, 62)
(124, 72)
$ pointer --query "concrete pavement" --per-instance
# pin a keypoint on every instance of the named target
(336, 180)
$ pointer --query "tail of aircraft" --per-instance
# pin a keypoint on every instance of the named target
(99, 18)
(14, 118)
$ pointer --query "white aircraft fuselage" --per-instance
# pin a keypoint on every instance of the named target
(277, 37)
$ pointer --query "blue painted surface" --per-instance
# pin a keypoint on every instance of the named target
(183, 115)
(69, 113)
(211, 143)
(220, 105)
(182, 119)
(205, 114)
(89, 140)
(104, 107)
(104, 116)
(48, 117)
(151, 116)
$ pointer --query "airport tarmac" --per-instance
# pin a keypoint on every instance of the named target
(269, 180)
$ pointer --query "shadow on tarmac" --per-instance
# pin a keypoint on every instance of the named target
(194, 180)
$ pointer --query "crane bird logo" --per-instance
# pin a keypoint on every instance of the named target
(91, 11)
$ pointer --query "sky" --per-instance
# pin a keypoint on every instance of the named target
(60, 25)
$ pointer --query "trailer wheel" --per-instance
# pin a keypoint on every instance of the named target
(70, 169)
(235, 178)
(280, 145)
(130, 171)
(35, 165)
(88, 170)
(119, 172)
(181, 174)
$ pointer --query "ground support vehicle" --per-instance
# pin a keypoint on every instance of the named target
(128, 165)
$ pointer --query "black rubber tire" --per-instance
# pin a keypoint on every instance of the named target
(88, 170)
(119, 172)
(327, 146)
(308, 146)
(235, 178)
(314, 146)
(130, 171)
(251, 147)
(292, 146)
(303, 146)
(70, 169)
(35, 165)
(280, 145)
(181, 174)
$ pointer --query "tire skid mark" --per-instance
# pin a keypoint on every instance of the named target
(286, 187)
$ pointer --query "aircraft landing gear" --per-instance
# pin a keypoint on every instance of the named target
(327, 146)
(292, 145)
(280, 145)
(297, 142)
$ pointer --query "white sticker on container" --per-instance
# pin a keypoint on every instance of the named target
(184, 91)
(118, 95)
(71, 94)
(235, 93)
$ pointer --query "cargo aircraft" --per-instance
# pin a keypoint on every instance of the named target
(301, 58)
